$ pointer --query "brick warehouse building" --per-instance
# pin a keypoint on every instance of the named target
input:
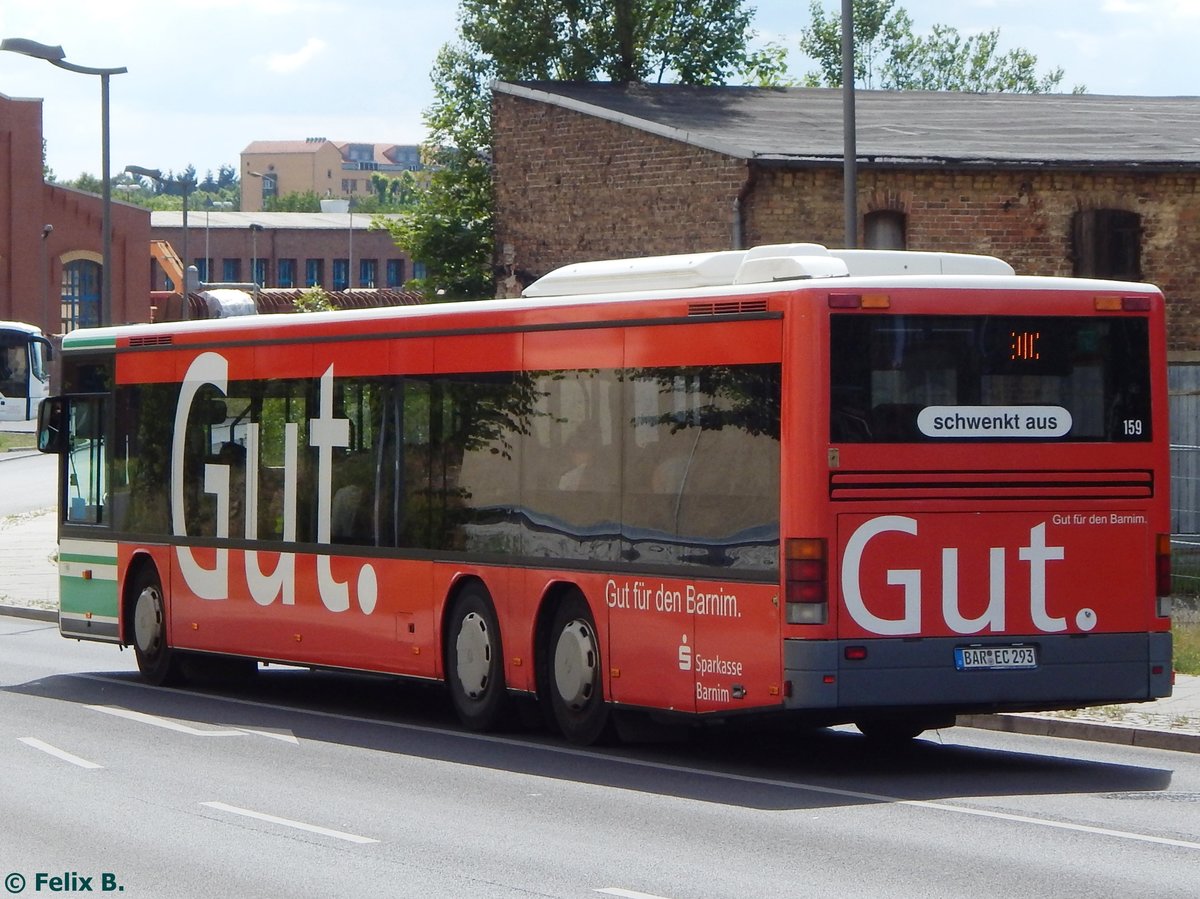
(336, 250)
(50, 276)
(1055, 184)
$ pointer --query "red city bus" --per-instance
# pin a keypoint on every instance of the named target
(850, 486)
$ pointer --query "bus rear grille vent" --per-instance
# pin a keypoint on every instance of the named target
(991, 485)
(727, 307)
(156, 340)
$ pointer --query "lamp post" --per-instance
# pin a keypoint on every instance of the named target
(209, 206)
(43, 268)
(56, 57)
(350, 260)
(184, 191)
(254, 229)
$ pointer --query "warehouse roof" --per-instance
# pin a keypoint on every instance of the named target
(804, 125)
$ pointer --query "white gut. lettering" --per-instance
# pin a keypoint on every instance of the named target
(993, 618)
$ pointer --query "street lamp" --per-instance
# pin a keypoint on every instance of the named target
(55, 56)
(184, 191)
(209, 206)
(255, 227)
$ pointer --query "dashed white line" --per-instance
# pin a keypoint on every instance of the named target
(180, 727)
(165, 723)
(58, 753)
(288, 822)
(627, 894)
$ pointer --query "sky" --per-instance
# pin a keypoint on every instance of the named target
(207, 77)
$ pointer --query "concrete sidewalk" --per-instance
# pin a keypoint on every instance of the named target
(29, 560)
(29, 588)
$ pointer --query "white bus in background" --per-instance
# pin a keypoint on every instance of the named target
(24, 370)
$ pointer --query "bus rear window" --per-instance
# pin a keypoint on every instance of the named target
(939, 378)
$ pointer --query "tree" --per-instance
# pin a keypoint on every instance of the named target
(304, 201)
(450, 227)
(888, 55)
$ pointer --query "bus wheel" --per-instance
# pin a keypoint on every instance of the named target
(475, 660)
(157, 662)
(573, 670)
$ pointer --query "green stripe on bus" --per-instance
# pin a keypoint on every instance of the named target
(95, 560)
(79, 595)
(87, 343)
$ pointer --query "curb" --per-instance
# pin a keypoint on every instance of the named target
(1042, 726)
(26, 612)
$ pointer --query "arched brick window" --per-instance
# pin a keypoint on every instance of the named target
(80, 294)
(885, 229)
(1107, 243)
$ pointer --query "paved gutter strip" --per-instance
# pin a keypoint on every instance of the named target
(1049, 726)
(27, 612)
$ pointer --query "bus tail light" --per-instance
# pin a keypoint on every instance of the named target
(859, 301)
(1122, 304)
(1162, 574)
(805, 581)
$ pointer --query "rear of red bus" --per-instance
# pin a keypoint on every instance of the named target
(976, 511)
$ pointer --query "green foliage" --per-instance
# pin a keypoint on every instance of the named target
(314, 299)
(888, 55)
(391, 193)
(1185, 637)
(693, 41)
(449, 228)
(768, 67)
(306, 201)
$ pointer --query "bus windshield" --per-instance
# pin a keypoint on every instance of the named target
(938, 378)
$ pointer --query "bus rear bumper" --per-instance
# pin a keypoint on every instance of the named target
(1071, 672)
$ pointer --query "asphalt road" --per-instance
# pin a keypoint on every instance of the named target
(306, 784)
(27, 482)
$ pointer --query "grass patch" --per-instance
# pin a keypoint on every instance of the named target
(10, 440)
(1186, 645)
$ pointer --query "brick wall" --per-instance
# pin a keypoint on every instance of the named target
(1022, 217)
(571, 187)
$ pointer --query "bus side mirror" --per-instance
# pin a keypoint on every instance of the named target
(46, 343)
(52, 425)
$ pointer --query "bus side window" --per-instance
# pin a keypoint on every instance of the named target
(14, 371)
(86, 463)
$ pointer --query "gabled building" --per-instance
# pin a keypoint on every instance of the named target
(51, 249)
(324, 167)
(1054, 184)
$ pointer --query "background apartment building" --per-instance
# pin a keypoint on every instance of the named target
(323, 167)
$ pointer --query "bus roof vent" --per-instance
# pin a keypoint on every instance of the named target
(760, 265)
(151, 340)
(727, 307)
(680, 272)
(914, 262)
(688, 271)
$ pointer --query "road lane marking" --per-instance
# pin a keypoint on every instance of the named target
(282, 736)
(58, 753)
(165, 723)
(288, 822)
(180, 727)
(798, 786)
(627, 894)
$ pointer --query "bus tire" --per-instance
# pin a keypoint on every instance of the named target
(156, 660)
(475, 660)
(572, 681)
